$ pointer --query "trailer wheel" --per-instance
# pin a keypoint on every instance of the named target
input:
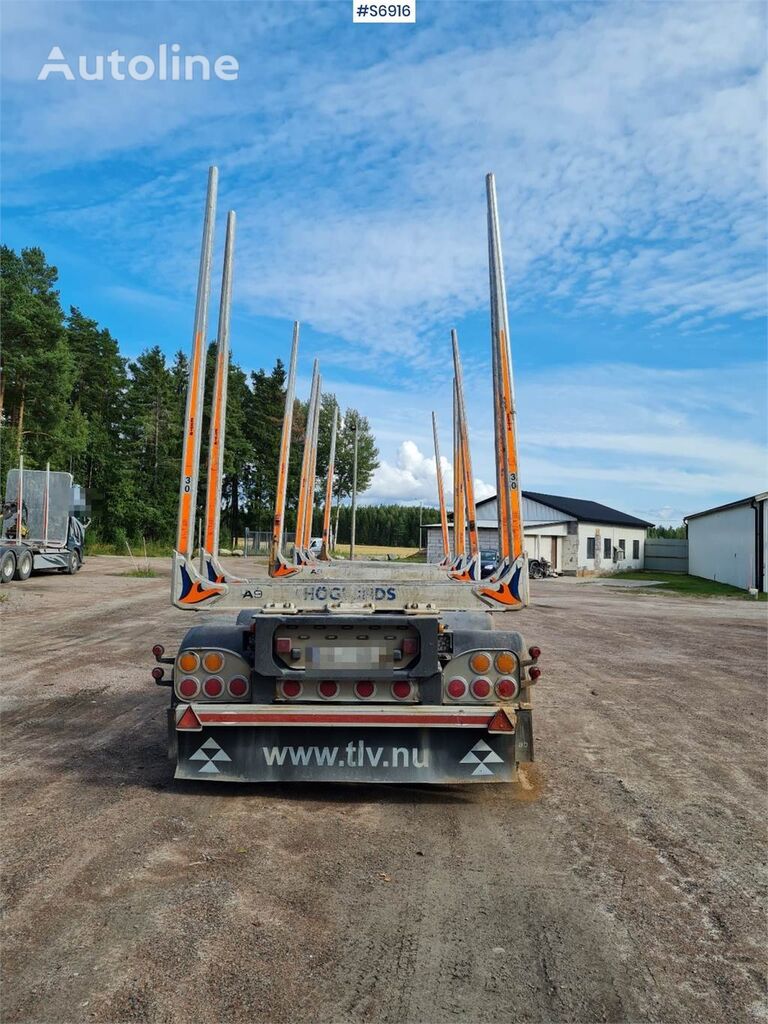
(23, 566)
(73, 564)
(7, 566)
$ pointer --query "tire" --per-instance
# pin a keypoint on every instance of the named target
(73, 564)
(7, 566)
(24, 565)
(536, 572)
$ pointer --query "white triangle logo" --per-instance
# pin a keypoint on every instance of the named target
(482, 755)
(209, 752)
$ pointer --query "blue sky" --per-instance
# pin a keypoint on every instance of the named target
(628, 145)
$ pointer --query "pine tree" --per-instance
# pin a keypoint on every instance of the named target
(38, 368)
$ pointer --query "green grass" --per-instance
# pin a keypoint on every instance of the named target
(417, 556)
(680, 583)
(3, 598)
(144, 574)
(155, 549)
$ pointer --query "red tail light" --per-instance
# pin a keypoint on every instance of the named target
(238, 686)
(456, 688)
(364, 689)
(506, 689)
(213, 687)
(534, 652)
(188, 687)
(410, 646)
(401, 690)
(481, 688)
(328, 689)
(291, 688)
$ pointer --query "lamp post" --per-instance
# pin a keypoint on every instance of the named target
(354, 495)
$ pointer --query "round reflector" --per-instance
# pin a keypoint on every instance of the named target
(534, 672)
(456, 688)
(481, 688)
(328, 688)
(480, 662)
(158, 650)
(213, 687)
(158, 673)
(535, 652)
(188, 661)
(238, 686)
(291, 688)
(506, 689)
(401, 690)
(213, 661)
(505, 662)
(188, 687)
(364, 688)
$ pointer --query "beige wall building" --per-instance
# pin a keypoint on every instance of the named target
(576, 536)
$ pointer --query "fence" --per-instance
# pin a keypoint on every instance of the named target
(257, 542)
(666, 555)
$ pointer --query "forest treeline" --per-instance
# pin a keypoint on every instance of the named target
(69, 397)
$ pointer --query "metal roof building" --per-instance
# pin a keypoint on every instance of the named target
(728, 543)
(576, 536)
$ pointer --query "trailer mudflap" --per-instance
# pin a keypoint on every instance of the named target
(362, 751)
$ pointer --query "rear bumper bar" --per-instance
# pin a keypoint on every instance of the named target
(250, 743)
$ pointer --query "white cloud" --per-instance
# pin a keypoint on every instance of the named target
(626, 138)
(413, 477)
(655, 443)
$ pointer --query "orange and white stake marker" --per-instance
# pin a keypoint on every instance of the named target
(509, 584)
(193, 418)
(326, 546)
(441, 495)
(466, 458)
(219, 410)
(459, 498)
(503, 382)
(310, 508)
(277, 566)
(301, 508)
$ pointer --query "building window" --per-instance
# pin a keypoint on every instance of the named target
(590, 547)
(636, 549)
(607, 548)
(622, 547)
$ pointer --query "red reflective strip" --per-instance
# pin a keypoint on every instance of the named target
(265, 718)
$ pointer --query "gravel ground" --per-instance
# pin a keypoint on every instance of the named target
(624, 879)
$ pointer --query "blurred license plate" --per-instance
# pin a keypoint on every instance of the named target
(346, 657)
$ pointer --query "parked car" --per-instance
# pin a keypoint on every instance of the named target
(489, 559)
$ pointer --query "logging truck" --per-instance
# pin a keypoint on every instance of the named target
(320, 669)
(41, 530)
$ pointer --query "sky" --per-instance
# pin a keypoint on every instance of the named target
(628, 145)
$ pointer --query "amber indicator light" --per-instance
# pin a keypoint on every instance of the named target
(480, 662)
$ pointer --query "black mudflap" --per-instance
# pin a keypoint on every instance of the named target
(248, 754)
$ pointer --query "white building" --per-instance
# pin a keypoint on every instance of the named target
(576, 536)
(728, 543)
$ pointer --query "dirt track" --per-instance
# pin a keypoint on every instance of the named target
(624, 883)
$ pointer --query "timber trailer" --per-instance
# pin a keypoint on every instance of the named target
(337, 671)
(40, 530)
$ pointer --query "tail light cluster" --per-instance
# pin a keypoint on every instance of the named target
(486, 677)
(211, 675)
(378, 691)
